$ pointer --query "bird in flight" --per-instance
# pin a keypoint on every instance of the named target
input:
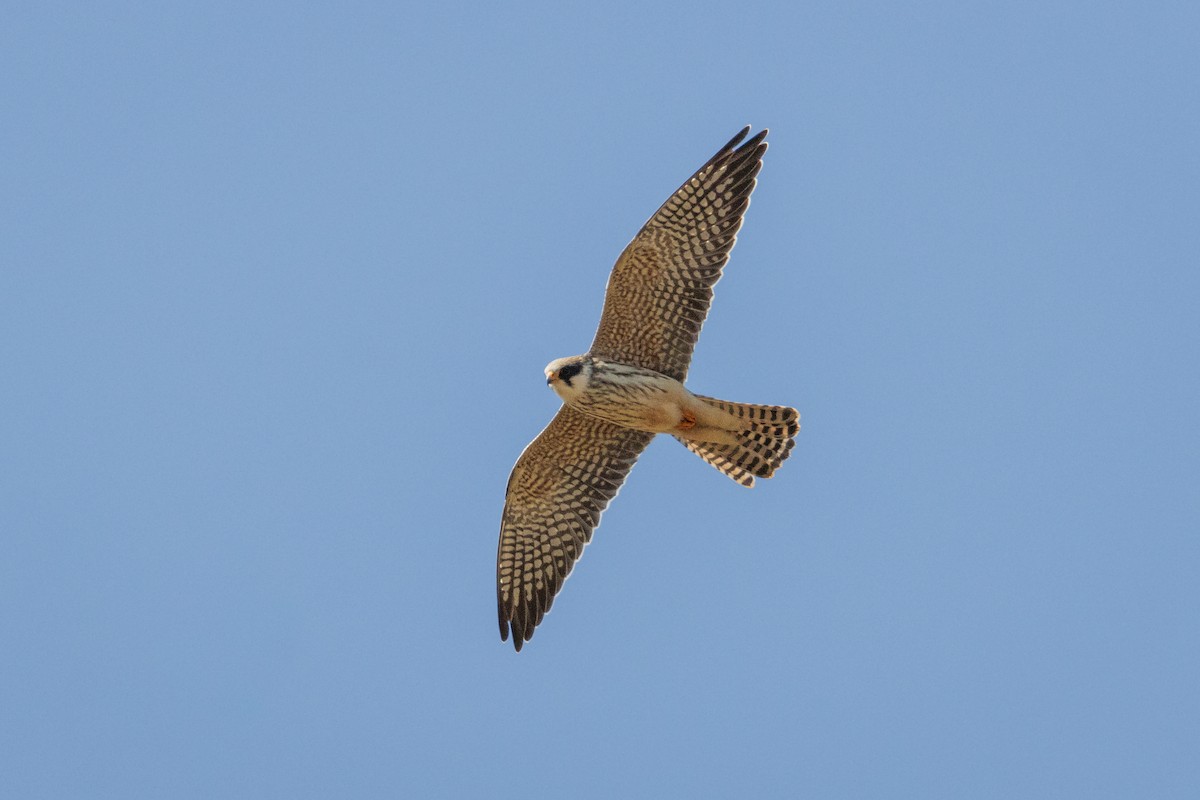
(629, 386)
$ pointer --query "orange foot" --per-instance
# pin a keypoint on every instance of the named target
(688, 421)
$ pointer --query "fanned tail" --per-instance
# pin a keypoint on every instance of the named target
(765, 437)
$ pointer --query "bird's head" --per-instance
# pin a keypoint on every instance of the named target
(569, 376)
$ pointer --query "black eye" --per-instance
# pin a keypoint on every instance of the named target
(568, 372)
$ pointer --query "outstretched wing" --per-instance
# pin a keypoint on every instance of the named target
(556, 493)
(661, 286)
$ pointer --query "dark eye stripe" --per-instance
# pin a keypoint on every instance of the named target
(569, 371)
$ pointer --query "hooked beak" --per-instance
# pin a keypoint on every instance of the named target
(552, 377)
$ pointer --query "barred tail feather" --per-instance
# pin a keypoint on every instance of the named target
(765, 437)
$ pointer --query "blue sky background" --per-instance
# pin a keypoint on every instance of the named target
(277, 284)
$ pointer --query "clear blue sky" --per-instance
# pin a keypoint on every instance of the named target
(277, 284)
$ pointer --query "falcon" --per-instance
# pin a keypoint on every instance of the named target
(629, 386)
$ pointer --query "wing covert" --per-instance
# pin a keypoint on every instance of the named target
(661, 286)
(557, 491)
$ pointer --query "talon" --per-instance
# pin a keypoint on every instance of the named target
(688, 421)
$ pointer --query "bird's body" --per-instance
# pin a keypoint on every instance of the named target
(630, 386)
(631, 396)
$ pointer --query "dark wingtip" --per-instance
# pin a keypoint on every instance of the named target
(518, 631)
(755, 143)
(759, 139)
(736, 140)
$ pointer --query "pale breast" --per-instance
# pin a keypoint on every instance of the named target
(633, 397)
